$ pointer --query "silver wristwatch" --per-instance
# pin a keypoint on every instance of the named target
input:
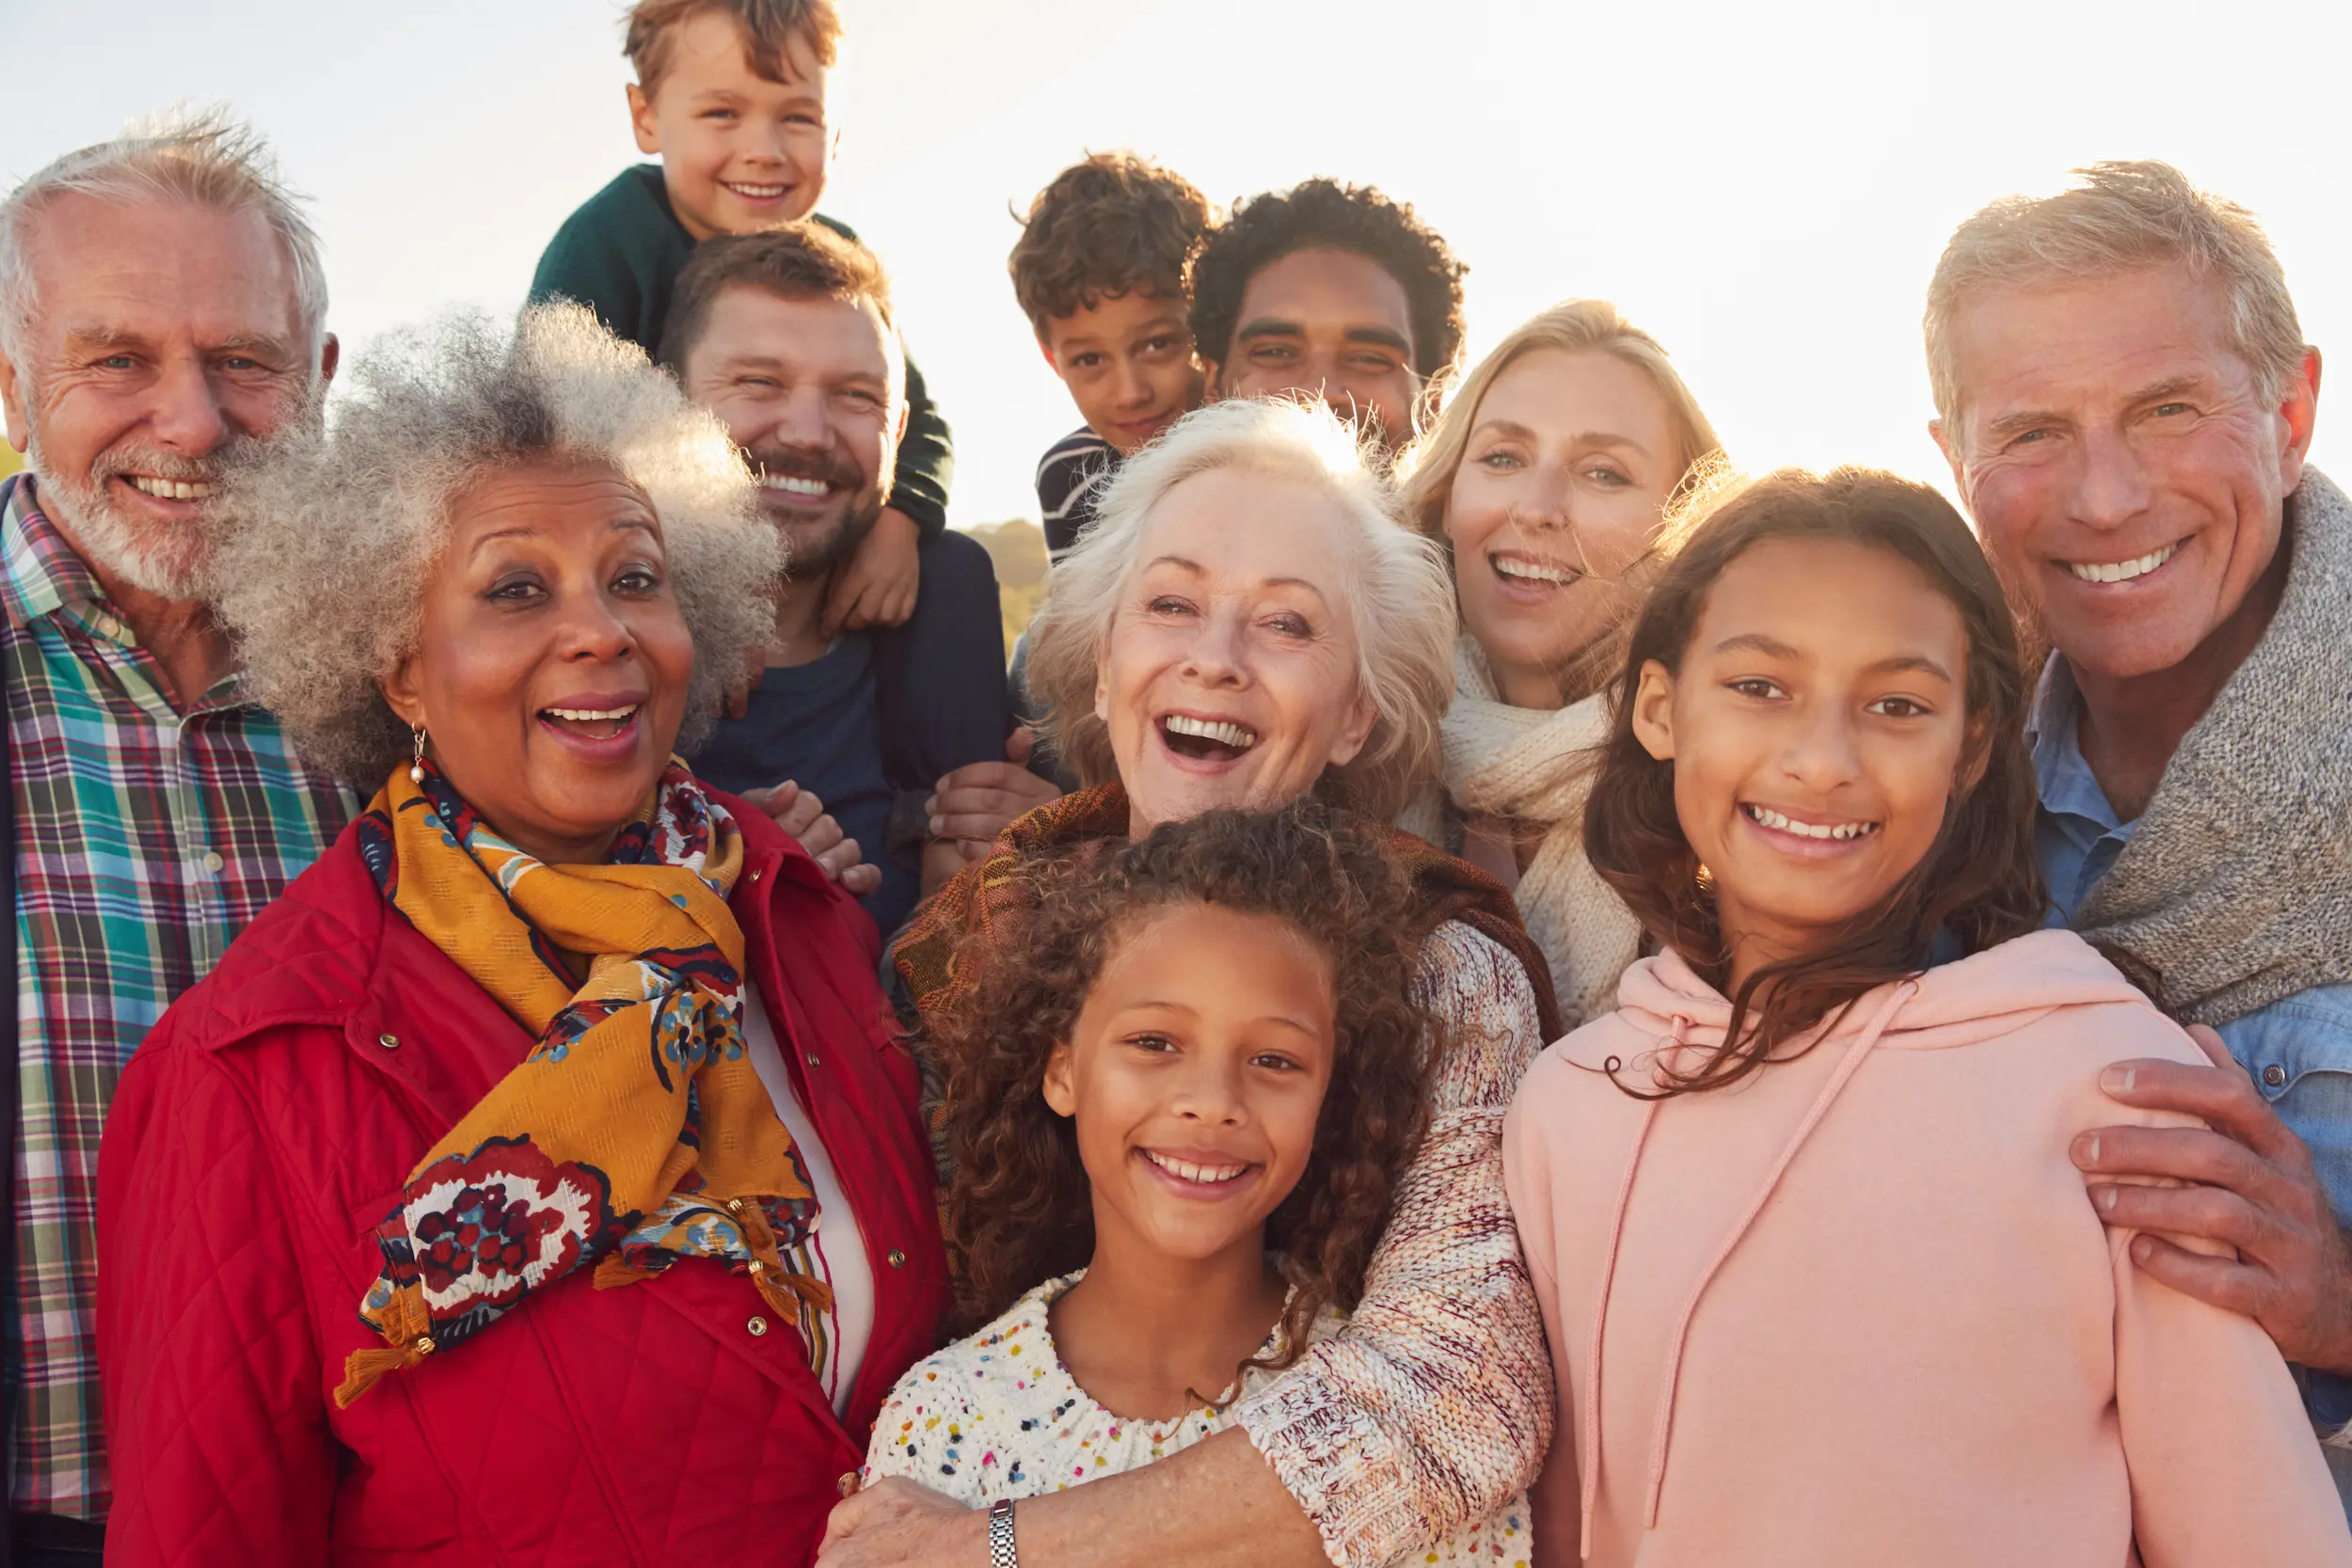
(1000, 1552)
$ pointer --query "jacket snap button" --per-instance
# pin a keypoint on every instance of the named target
(757, 1326)
(896, 1258)
(2274, 1075)
(390, 1042)
(812, 1058)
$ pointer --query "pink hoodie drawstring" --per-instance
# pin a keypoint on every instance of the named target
(1662, 1428)
(1588, 1423)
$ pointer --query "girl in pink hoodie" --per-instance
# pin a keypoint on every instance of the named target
(1822, 1285)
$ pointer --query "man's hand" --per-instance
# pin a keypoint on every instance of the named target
(2252, 1187)
(876, 587)
(802, 814)
(896, 1524)
(976, 802)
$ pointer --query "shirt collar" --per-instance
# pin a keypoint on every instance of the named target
(2063, 778)
(40, 574)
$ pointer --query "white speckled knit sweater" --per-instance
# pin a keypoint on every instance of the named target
(998, 1415)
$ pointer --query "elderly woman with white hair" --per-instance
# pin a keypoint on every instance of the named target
(538, 1179)
(1245, 623)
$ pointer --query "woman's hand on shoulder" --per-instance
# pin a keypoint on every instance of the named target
(893, 1523)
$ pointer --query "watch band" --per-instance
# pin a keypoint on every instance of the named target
(1000, 1550)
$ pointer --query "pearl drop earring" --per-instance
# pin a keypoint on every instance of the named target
(416, 768)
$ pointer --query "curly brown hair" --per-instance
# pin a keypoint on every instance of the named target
(1324, 212)
(1979, 883)
(1115, 223)
(1019, 1210)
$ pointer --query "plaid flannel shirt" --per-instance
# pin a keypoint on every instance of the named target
(145, 839)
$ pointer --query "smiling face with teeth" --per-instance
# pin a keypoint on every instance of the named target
(813, 389)
(2124, 471)
(739, 153)
(168, 339)
(1230, 675)
(1194, 1077)
(551, 665)
(1561, 489)
(1818, 729)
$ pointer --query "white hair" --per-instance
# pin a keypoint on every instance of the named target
(1398, 591)
(206, 158)
(2118, 218)
(321, 577)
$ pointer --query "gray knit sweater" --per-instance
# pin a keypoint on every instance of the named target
(2236, 885)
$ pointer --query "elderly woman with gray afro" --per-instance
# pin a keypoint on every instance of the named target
(1247, 622)
(537, 1177)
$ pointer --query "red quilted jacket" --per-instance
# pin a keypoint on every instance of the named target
(261, 1133)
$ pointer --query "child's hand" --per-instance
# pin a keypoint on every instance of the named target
(877, 586)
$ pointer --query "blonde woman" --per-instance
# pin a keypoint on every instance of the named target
(1548, 477)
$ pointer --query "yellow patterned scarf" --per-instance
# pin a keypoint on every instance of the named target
(636, 1132)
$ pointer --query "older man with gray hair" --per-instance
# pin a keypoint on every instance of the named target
(162, 306)
(2127, 401)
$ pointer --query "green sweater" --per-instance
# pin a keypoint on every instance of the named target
(620, 255)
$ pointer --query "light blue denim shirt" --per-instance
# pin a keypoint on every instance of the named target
(2298, 1048)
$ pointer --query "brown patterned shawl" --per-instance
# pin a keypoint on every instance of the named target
(992, 898)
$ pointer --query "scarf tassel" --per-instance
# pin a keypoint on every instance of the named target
(406, 1341)
(798, 1296)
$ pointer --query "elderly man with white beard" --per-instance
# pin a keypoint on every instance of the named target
(162, 307)
(162, 312)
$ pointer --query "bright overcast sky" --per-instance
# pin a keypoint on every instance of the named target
(1763, 186)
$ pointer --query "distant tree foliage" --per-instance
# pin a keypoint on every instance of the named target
(1018, 549)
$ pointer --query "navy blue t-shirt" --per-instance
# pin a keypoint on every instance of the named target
(875, 722)
(820, 725)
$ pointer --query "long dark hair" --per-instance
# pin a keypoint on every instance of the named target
(1980, 882)
(1019, 1210)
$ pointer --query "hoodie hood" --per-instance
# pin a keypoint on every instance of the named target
(1981, 997)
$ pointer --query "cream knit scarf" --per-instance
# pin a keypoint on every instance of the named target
(2236, 885)
(1515, 762)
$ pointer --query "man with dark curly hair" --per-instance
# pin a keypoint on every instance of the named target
(1333, 290)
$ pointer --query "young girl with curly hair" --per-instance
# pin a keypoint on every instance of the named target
(1821, 1284)
(1178, 1102)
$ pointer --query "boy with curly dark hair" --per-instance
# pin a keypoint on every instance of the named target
(1330, 290)
(1100, 271)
